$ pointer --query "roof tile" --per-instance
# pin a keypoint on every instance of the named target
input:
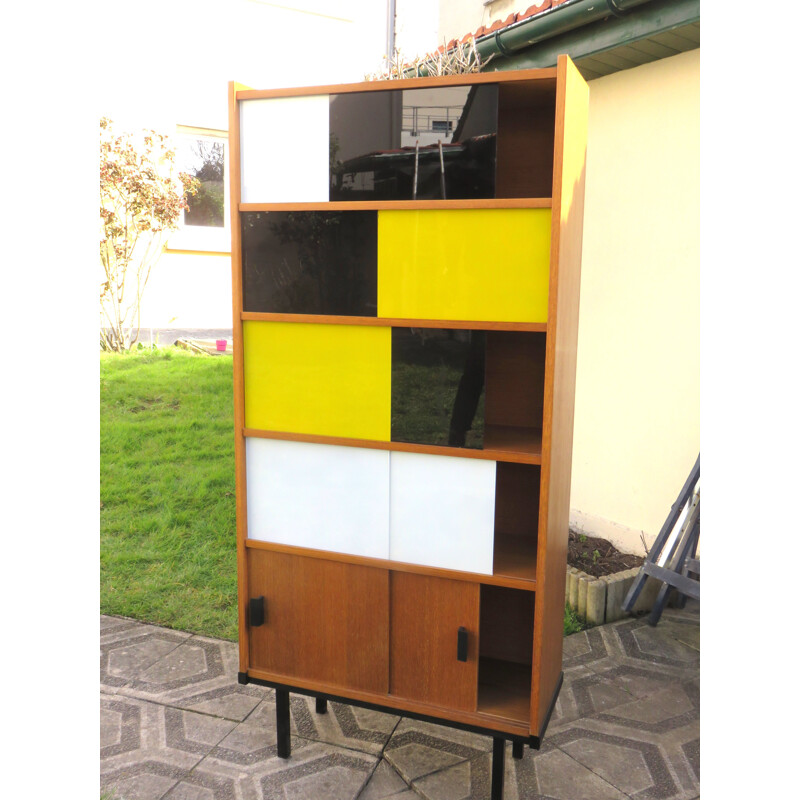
(533, 10)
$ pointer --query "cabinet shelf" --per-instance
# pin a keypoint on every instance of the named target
(532, 455)
(514, 556)
(393, 322)
(505, 581)
(504, 689)
(401, 205)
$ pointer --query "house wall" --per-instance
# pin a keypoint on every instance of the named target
(637, 408)
(179, 57)
(457, 17)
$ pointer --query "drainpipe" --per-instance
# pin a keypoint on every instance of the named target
(391, 16)
(553, 22)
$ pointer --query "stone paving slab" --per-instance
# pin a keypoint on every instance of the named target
(176, 725)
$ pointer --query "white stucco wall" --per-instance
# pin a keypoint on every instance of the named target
(180, 56)
(637, 408)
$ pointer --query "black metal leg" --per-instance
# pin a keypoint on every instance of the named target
(498, 767)
(517, 749)
(322, 705)
(282, 718)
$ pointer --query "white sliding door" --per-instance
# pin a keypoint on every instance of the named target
(320, 496)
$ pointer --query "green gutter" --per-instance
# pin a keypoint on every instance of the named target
(581, 28)
(553, 22)
(656, 17)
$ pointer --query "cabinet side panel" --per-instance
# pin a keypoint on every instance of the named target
(238, 369)
(572, 113)
(322, 497)
(284, 150)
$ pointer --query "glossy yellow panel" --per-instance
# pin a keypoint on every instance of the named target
(330, 380)
(466, 264)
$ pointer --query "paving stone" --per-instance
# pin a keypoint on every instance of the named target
(624, 768)
(456, 783)
(323, 771)
(415, 760)
(384, 783)
(342, 725)
(454, 740)
(563, 778)
(140, 783)
(234, 701)
(131, 658)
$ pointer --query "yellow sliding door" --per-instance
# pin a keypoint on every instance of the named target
(329, 380)
(466, 264)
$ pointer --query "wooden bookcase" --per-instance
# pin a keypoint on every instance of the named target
(405, 325)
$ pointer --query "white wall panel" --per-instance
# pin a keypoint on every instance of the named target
(321, 496)
(284, 149)
(442, 511)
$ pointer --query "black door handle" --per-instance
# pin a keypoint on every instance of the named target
(257, 605)
(462, 644)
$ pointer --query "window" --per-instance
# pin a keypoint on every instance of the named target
(205, 225)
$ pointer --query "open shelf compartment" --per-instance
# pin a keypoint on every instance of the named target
(506, 652)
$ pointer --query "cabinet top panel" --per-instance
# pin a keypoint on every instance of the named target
(536, 80)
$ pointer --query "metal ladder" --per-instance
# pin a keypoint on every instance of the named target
(672, 558)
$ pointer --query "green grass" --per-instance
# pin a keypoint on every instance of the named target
(167, 515)
(572, 622)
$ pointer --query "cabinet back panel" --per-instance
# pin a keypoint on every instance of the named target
(515, 378)
(525, 136)
(468, 264)
(325, 621)
(507, 624)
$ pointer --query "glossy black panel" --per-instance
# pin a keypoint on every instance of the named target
(437, 386)
(310, 262)
(386, 145)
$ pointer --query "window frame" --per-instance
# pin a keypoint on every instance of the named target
(202, 237)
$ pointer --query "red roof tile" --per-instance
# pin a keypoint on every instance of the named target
(497, 25)
(533, 10)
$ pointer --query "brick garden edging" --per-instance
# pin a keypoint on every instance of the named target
(599, 600)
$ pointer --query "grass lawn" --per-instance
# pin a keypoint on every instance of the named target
(167, 514)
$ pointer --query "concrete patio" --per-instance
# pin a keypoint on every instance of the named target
(175, 724)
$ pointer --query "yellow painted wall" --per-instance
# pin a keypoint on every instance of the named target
(637, 409)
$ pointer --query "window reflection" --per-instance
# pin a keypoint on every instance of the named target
(423, 144)
(438, 386)
(310, 262)
(204, 159)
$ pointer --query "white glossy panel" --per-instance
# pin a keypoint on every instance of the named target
(284, 149)
(321, 496)
(442, 511)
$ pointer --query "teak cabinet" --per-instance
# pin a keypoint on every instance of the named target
(406, 266)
